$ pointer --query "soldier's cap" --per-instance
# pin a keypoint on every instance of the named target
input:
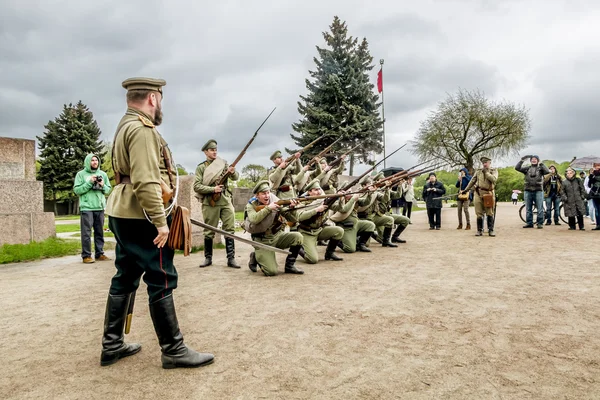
(485, 159)
(211, 144)
(275, 155)
(366, 180)
(139, 83)
(261, 186)
(378, 176)
(314, 184)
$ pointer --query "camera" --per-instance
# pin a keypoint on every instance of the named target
(96, 185)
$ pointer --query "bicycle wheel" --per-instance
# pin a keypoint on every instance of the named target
(561, 214)
(523, 212)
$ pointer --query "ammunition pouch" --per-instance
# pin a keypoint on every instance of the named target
(362, 215)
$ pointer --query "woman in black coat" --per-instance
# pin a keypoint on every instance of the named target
(572, 195)
(432, 189)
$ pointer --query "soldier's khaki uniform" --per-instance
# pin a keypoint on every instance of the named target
(223, 209)
(305, 177)
(356, 231)
(329, 180)
(284, 180)
(483, 182)
(274, 235)
(312, 227)
(400, 221)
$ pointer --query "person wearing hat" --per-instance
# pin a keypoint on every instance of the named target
(573, 194)
(385, 207)
(483, 183)
(329, 178)
(552, 183)
(312, 226)
(305, 176)
(283, 176)
(208, 175)
(143, 168)
(373, 211)
(533, 192)
(432, 191)
(266, 221)
(356, 231)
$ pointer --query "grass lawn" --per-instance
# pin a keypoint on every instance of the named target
(67, 218)
(52, 247)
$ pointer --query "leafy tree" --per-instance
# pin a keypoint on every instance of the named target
(467, 125)
(254, 173)
(65, 143)
(341, 100)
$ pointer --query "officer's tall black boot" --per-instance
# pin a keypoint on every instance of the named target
(396, 235)
(290, 268)
(208, 252)
(387, 233)
(330, 252)
(113, 344)
(175, 354)
(490, 222)
(479, 226)
(230, 248)
(361, 244)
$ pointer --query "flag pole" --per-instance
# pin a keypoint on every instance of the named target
(380, 87)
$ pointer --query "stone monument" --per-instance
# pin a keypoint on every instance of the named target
(22, 216)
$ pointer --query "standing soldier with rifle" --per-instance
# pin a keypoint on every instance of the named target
(136, 209)
(215, 195)
(484, 182)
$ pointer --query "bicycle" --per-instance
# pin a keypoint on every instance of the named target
(523, 213)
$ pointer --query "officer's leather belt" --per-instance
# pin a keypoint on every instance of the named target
(125, 179)
(284, 188)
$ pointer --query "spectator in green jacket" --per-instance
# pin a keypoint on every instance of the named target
(92, 185)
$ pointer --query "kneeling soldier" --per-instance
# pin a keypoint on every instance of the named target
(385, 207)
(356, 231)
(311, 226)
(265, 220)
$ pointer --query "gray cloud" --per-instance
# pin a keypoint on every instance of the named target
(228, 64)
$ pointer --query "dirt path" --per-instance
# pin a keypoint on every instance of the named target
(447, 315)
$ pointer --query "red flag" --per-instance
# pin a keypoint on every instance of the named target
(380, 80)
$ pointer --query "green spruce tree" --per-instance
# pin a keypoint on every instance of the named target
(341, 100)
(65, 143)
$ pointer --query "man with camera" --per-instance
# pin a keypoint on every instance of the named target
(92, 185)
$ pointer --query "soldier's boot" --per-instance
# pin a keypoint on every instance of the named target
(208, 252)
(330, 252)
(321, 243)
(362, 242)
(376, 237)
(175, 354)
(113, 344)
(290, 261)
(479, 227)
(490, 223)
(302, 253)
(396, 235)
(387, 232)
(468, 228)
(252, 263)
(230, 248)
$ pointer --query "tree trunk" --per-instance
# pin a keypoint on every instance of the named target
(351, 171)
(54, 202)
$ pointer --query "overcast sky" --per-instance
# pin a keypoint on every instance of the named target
(228, 63)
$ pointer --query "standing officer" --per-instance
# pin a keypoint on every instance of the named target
(484, 182)
(136, 209)
(208, 174)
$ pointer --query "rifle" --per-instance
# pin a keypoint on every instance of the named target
(283, 202)
(241, 239)
(314, 159)
(226, 174)
(302, 150)
(355, 181)
(338, 160)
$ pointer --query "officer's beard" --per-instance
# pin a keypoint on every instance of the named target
(158, 115)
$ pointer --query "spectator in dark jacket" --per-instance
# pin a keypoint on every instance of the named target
(533, 193)
(432, 190)
(463, 205)
(594, 193)
(573, 194)
(552, 184)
